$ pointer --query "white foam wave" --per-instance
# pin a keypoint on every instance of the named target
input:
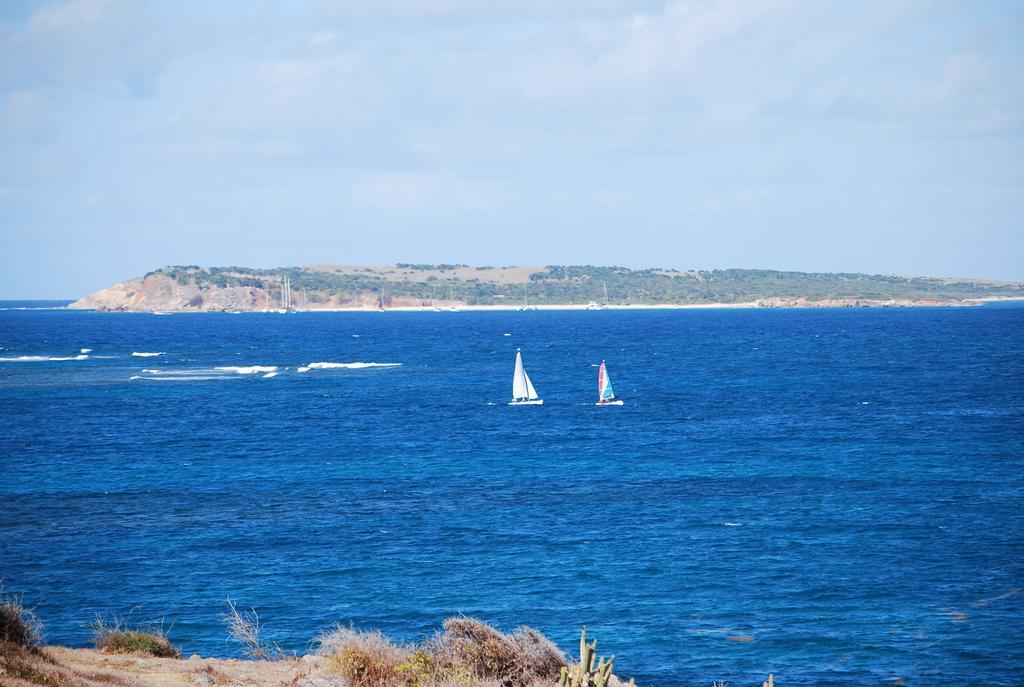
(269, 375)
(303, 368)
(143, 354)
(56, 307)
(42, 358)
(183, 378)
(247, 370)
(347, 366)
(207, 372)
(733, 524)
(85, 350)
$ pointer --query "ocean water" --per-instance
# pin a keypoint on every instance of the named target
(836, 496)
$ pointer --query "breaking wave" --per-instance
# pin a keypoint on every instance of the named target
(250, 370)
(181, 378)
(143, 354)
(42, 358)
(347, 366)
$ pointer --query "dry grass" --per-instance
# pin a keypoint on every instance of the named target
(244, 628)
(365, 659)
(115, 637)
(513, 660)
(22, 666)
(467, 653)
(18, 625)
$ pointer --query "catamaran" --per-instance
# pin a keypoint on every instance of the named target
(523, 393)
(605, 395)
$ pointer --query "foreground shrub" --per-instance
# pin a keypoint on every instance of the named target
(515, 660)
(468, 653)
(365, 659)
(19, 625)
(114, 637)
(244, 628)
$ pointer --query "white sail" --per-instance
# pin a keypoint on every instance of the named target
(531, 393)
(519, 379)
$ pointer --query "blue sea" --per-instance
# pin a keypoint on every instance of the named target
(834, 496)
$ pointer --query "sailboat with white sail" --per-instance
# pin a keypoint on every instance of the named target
(605, 395)
(523, 393)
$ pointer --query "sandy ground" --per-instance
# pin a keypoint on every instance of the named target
(144, 671)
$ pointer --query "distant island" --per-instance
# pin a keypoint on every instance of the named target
(192, 288)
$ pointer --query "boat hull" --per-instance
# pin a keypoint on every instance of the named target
(538, 402)
(608, 403)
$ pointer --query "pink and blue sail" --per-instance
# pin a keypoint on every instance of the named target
(604, 385)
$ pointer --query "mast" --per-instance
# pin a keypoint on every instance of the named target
(605, 292)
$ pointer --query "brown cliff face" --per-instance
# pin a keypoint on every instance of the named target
(158, 292)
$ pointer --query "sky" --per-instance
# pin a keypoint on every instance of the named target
(881, 137)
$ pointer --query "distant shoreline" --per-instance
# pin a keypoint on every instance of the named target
(766, 304)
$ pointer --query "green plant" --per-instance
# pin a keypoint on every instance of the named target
(585, 673)
(113, 636)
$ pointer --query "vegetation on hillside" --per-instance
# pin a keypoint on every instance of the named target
(581, 284)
